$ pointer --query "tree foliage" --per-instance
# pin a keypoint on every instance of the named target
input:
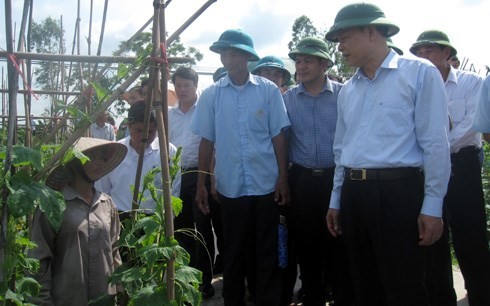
(303, 27)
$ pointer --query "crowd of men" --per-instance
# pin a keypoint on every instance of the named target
(376, 176)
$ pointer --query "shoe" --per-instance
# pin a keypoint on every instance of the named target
(207, 291)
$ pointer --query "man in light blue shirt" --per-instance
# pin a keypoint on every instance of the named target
(241, 117)
(481, 121)
(392, 123)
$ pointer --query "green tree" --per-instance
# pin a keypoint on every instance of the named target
(304, 27)
(47, 37)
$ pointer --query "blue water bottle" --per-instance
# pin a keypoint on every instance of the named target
(282, 240)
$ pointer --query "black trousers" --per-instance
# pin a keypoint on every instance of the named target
(322, 258)
(379, 224)
(465, 215)
(202, 251)
(251, 223)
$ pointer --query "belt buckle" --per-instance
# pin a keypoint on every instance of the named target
(317, 172)
(358, 174)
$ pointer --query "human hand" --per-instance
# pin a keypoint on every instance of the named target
(281, 194)
(202, 199)
(430, 229)
(333, 222)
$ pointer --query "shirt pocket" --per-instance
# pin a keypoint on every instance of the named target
(392, 118)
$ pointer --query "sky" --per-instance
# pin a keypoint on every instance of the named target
(269, 22)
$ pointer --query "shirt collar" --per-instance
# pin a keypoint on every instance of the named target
(327, 86)
(226, 81)
(452, 76)
(71, 194)
(390, 62)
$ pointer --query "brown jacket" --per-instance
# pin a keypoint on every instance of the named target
(76, 261)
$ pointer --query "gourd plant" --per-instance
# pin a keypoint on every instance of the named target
(149, 250)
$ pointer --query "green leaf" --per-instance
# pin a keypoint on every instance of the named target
(23, 156)
(12, 296)
(100, 91)
(150, 296)
(122, 70)
(24, 197)
(177, 205)
(187, 280)
(28, 286)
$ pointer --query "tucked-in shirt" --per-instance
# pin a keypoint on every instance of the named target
(313, 120)
(462, 91)
(180, 135)
(397, 119)
(241, 121)
(481, 121)
(106, 132)
(77, 260)
(118, 182)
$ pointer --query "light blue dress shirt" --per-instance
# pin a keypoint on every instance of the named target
(241, 121)
(398, 119)
(481, 121)
(313, 121)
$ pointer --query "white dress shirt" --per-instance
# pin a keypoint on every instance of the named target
(180, 135)
(117, 183)
(481, 121)
(462, 91)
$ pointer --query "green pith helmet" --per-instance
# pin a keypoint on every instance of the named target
(433, 37)
(312, 46)
(235, 39)
(390, 44)
(219, 73)
(271, 61)
(358, 15)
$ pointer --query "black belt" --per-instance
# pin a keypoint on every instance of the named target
(387, 174)
(468, 150)
(312, 171)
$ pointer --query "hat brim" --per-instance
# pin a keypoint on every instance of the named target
(116, 152)
(219, 46)
(418, 44)
(308, 51)
(286, 73)
(359, 22)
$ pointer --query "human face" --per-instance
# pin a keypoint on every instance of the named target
(310, 68)
(353, 44)
(185, 90)
(234, 60)
(436, 54)
(95, 166)
(136, 134)
(273, 74)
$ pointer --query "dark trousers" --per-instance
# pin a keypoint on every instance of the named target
(379, 225)
(250, 222)
(201, 249)
(320, 255)
(465, 215)
(185, 220)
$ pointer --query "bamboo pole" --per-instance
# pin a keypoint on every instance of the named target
(86, 58)
(21, 47)
(44, 92)
(13, 83)
(162, 121)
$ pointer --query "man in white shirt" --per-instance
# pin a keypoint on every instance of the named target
(481, 121)
(185, 81)
(117, 183)
(101, 129)
(464, 204)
